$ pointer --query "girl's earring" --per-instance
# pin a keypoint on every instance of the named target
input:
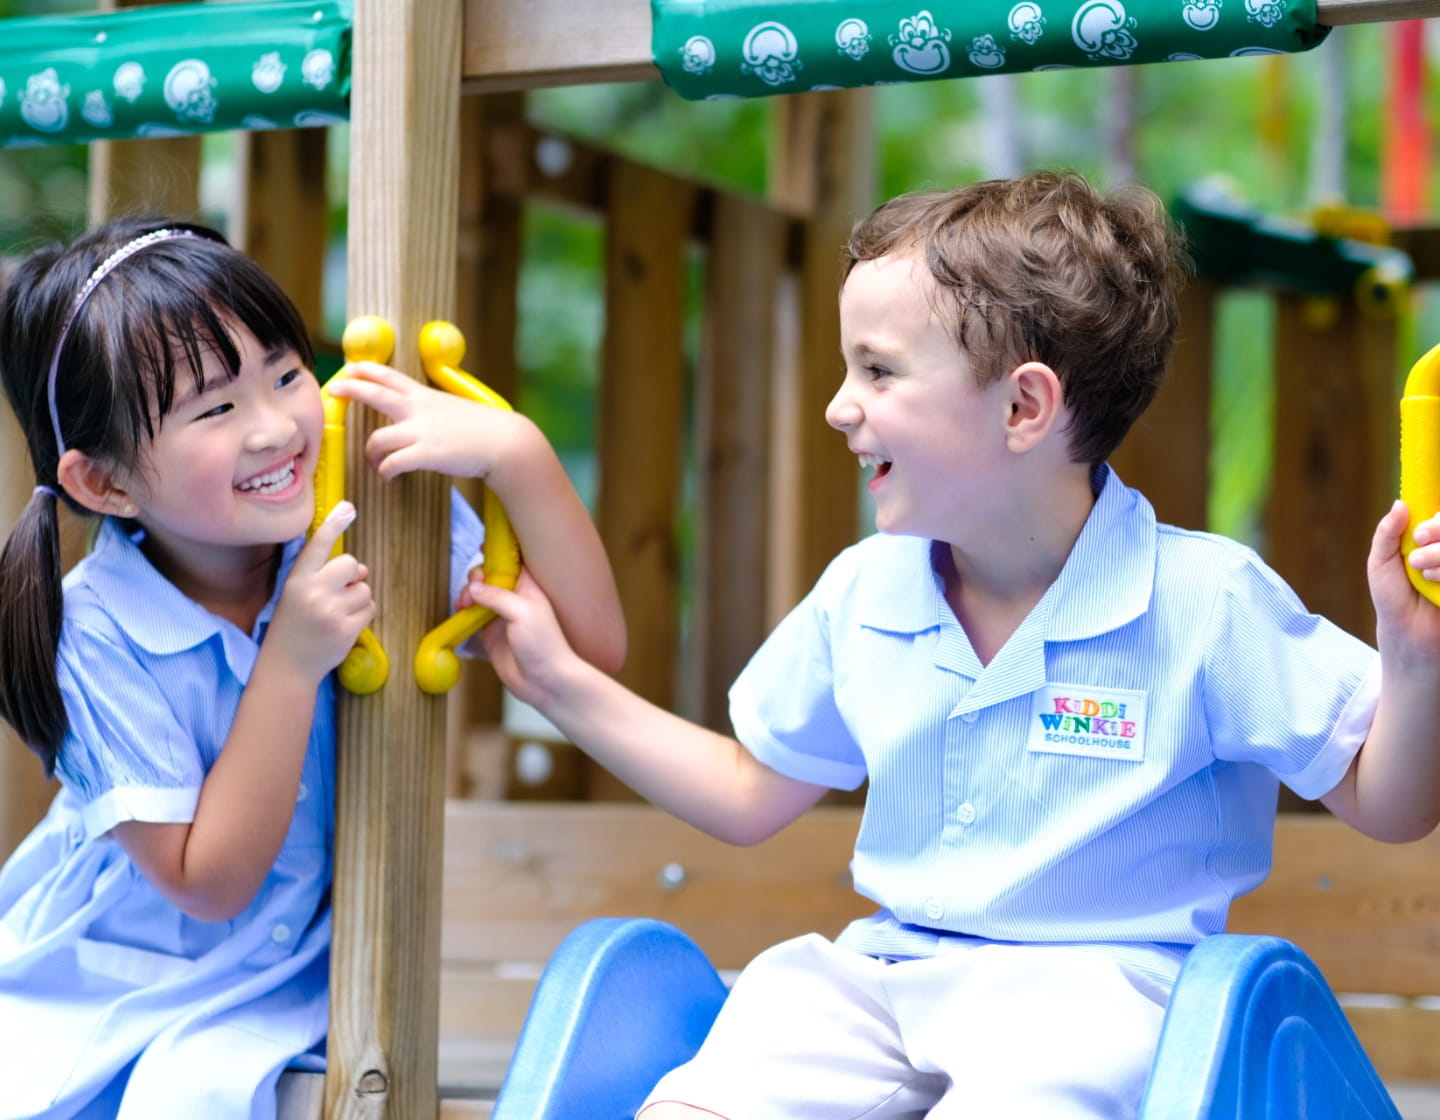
(129, 509)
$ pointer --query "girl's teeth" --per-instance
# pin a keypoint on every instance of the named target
(269, 483)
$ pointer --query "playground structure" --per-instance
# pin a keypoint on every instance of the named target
(442, 161)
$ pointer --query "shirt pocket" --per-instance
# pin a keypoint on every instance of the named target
(137, 968)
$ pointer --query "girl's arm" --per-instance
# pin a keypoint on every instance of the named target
(708, 780)
(212, 867)
(1392, 789)
(435, 431)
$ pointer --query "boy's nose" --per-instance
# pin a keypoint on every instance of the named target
(842, 412)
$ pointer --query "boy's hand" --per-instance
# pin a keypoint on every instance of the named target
(325, 604)
(1406, 621)
(524, 643)
(428, 430)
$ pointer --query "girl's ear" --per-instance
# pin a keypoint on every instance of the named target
(1037, 405)
(93, 485)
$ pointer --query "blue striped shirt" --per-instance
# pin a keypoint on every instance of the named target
(1109, 777)
(106, 989)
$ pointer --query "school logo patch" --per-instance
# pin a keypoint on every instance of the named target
(1084, 720)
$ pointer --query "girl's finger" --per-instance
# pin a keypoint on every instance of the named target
(317, 549)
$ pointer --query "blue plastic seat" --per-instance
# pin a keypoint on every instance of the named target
(1252, 1032)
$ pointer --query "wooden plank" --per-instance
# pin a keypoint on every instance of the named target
(523, 44)
(518, 878)
(1167, 453)
(384, 1005)
(1403, 1041)
(642, 422)
(487, 269)
(1366, 912)
(1336, 434)
(732, 451)
(282, 215)
(822, 166)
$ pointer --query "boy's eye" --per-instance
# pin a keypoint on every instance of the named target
(877, 372)
(218, 410)
(288, 377)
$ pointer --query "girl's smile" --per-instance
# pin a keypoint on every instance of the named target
(229, 474)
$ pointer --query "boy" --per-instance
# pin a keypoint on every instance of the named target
(1072, 719)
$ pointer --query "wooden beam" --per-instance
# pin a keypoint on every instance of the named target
(745, 263)
(390, 772)
(822, 165)
(642, 422)
(1336, 430)
(1167, 453)
(281, 215)
(524, 44)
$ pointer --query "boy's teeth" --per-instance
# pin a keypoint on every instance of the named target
(273, 480)
(870, 461)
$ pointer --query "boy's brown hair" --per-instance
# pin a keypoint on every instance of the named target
(1046, 268)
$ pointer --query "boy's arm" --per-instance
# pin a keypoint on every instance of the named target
(1392, 790)
(431, 430)
(706, 779)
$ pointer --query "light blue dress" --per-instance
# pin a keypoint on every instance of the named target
(114, 1003)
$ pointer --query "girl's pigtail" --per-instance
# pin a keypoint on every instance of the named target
(31, 605)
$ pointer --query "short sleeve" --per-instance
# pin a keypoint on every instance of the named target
(783, 703)
(467, 541)
(125, 756)
(1285, 688)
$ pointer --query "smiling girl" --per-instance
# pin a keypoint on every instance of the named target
(164, 932)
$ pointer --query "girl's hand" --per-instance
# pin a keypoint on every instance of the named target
(1406, 622)
(428, 430)
(325, 604)
(524, 643)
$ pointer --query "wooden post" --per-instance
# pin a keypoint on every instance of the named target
(822, 165)
(384, 992)
(1167, 453)
(1336, 424)
(642, 422)
(487, 271)
(281, 212)
(746, 256)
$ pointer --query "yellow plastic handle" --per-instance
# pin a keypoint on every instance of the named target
(437, 668)
(367, 339)
(1420, 456)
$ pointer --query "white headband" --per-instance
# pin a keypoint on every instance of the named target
(129, 249)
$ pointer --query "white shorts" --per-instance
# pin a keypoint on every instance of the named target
(991, 1031)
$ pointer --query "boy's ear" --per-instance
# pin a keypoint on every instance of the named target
(1037, 402)
(93, 485)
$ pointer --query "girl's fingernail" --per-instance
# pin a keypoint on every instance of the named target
(343, 511)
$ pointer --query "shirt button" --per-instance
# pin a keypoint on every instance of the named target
(280, 933)
(966, 813)
(934, 909)
(970, 717)
(302, 793)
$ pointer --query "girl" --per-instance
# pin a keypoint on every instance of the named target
(164, 931)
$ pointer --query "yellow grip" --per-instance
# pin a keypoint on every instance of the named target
(367, 339)
(437, 668)
(1420, 457)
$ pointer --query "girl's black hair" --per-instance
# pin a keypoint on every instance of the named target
(150, 320)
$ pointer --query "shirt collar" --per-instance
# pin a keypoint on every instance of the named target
(153, 612)
(1106, 581)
